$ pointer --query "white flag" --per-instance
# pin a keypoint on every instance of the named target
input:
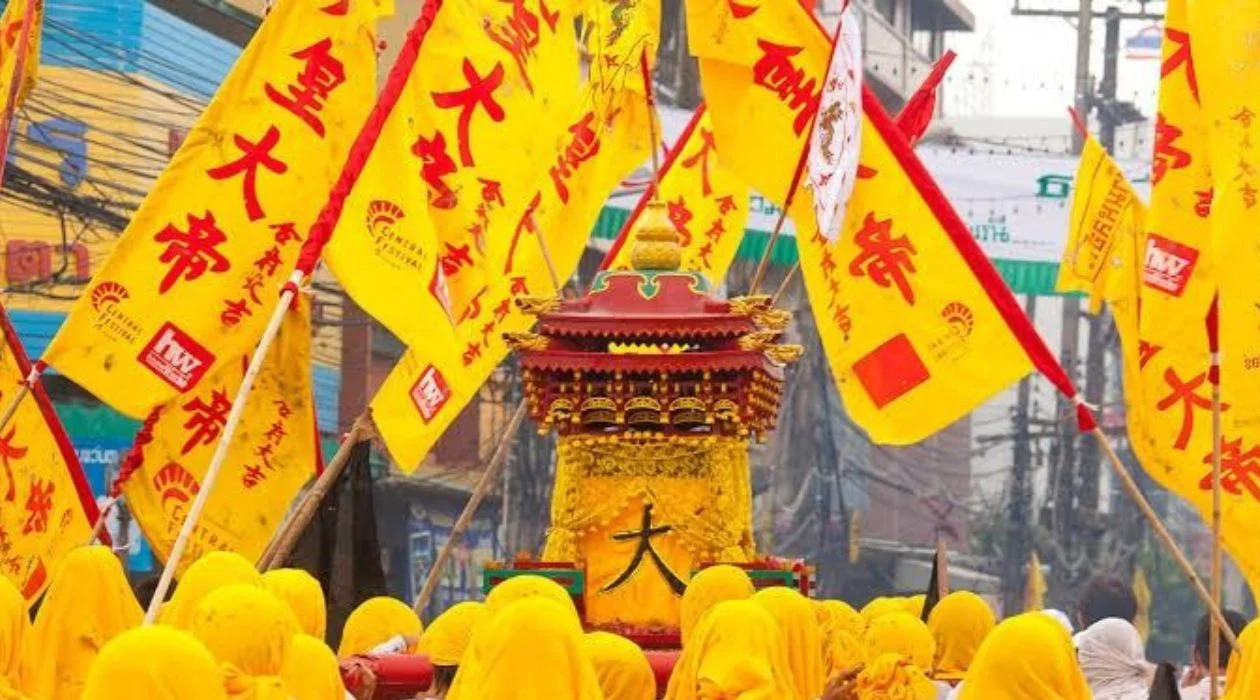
(835, 144)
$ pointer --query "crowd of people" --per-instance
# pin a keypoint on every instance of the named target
(230, 632)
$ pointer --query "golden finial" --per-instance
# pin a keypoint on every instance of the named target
(656, 246)
(783, 354)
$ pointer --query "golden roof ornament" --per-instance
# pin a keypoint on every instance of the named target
(656, 247)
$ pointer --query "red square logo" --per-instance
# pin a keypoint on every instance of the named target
(1168, 264)
(174, 356)
(891, 370)
(430, 393)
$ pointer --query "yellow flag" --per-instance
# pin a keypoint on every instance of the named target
(1035, 586)
(1178, 278)
(707, 205)
(1142, 593)
(603, 141)
(272, 455)
(10, 40)
(455, 159)
(1166, 389)
(46, 507)
(189, 286)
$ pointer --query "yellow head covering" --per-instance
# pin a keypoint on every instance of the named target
(735, 653)
(530, 650)
(841, 626)
(959, 623)
(903, 634)
(878, 607)
(844, 617)
(447, 637)
(1242, 678)
(1027, 657)
(155, 663)
(310, 671)
(798, 628)
(844, 651)
(710, 587)
(376, 621)
(528, 586)
(891, 677)
(15, 625)
(304, 595)
(623, 671)
(209, 573)
(248, 630)
(88, 604)
(913, 605)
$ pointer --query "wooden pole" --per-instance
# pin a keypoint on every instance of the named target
(1131, 487)
(24, 388)
(646, 70)
(99, 526)
(942, 566)
(287, 536)
(497, 460)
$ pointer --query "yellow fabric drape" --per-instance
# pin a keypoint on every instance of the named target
(914, 604)
(892, 677)
(903, 634)
(710, 587)
(249, 631)
(376, 621)
(841, 628)
(880, 606)
(155, 663)
(798, 627)
(15, 625)
(206, 575)
(959, 624)
(844, 617)
(1242, 678)
(305, 598)
(623, 671)
(1026, 657)
(735, 653)
(310, 670)
(448, 636)
(844, 651)
(519, 588)
(87, 604)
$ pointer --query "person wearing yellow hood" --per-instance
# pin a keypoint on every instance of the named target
(878, 607)
(623, 671)
(798, 628)
(305, 598)
(959, 623)
(211, 572)
(154, 663)
(708, 588)
(842, 628)
(14, 628)
(892, 677)
(735, 653)
(249, 631)
(380, 625)
(1026, 657)
(446, 641)
(531, 649)
(1242, 677)
(87, 604)
(519, 588)
(310, 670)
(902, 634)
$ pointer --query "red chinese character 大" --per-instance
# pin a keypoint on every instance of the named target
(726, 205)
(321, 74)
(480, 92)
(263, 452)
(38, 506)
(270, 262)
(680, 216)
(1240, 470)
(526, 224)
(191, 253)
(1181, 56)
(286, 233)
(455, 259)
(491, 192)
(10, 451)
(884, 257)
(253, 282)
(1167, 155)
(1184, 393)
(582, 147)
(705, 251)
(701, 158)
(205, 420)
(282, 408)
(437, 164)
(487, 330)
(518, 35)
(234, 312)
(253, 156)
(775, 71)
(275, 433)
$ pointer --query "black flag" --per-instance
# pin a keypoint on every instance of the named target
(933, 594)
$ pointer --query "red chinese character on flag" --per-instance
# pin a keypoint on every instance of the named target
(1240, 470)
(1167, 155)
(679, 216)
(491, 192)
(10, 451)
(253, 156)
(430, 393)
(286, 233)
(437, 164)
(1180, 56)
(270, 262)
(526, 224)
(455, 259)
(726, 205)
(282, 409)
(480, 92)
(206, 420)
(38, 506)
(716, 231)
(701, 158)
(275, 433)
(234, 312)
(472, 353)
(253, 476)
(252, 284)
(518, 35)
(582, 147)
(321, 74)
(884, 258)
(1203, 203)
(502, 310)
(775, 71)
(1184, 393)
(191, 253)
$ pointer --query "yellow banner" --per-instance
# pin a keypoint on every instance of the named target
(1166, 390)
(189, 286)
(603, 141)
(10, 39)
(273, 454)
(46, 507)
(1178, 277)
(469, 138)
(706, 203)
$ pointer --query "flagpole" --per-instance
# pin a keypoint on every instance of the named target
(646, 70)
(24, 386)
(99, 526)
(10, 105)
(1214, 374)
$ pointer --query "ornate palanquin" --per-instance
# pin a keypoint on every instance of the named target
(655, 388)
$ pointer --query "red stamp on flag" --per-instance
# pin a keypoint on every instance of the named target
(430, 393)
(1169, 264)
(174, 356)
(891, 370)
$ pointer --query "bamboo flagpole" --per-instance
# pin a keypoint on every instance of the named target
(1214, 375)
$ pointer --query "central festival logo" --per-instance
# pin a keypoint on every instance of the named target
(177, 487)
(381, 217)
(106, 294)
(960, 318)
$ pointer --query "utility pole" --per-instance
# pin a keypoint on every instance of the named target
(1019, 506)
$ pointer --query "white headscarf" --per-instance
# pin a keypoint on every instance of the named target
(1060, 617)
(1114, 661)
